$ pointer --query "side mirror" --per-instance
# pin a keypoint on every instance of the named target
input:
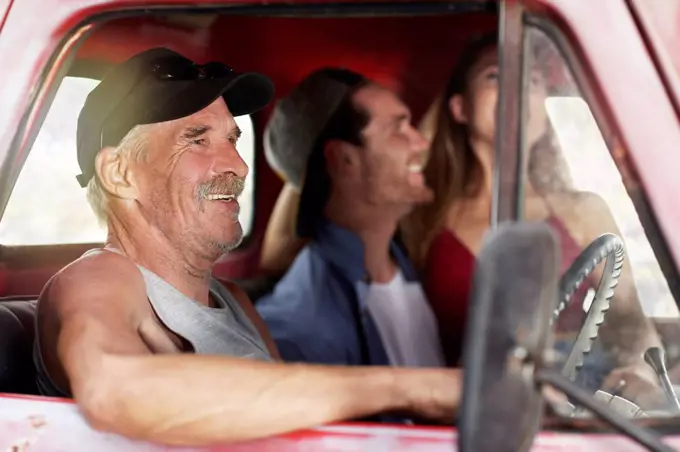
(514, 293)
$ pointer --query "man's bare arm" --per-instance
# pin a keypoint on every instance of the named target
(190, 399)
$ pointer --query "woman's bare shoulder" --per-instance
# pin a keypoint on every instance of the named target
(574, 202)
(585, 214)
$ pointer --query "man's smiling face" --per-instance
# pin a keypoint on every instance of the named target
(191, 178)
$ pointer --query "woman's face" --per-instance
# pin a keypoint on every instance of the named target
(477, 107)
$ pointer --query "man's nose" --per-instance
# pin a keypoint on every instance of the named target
(228, 160)
(418, 141)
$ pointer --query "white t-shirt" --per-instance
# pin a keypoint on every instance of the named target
(405, 322)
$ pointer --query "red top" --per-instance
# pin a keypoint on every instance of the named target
(447, 282)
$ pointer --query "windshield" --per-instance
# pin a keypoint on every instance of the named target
(578, 181)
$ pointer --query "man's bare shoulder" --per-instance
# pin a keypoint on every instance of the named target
(98, 275)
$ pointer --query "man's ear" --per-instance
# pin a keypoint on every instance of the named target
(457, 109)
(116, 174)
(340, 157)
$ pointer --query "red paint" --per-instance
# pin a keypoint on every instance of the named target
(636, 102)
(54, 425)
(660, 24)
(4, 10)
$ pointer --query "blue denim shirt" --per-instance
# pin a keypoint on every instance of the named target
(313, 311)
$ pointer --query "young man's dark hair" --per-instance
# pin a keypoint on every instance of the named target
(346, 124)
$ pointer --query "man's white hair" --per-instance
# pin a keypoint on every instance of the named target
(134, 145)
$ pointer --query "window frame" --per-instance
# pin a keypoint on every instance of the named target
(5, 6)
(506, 198)
(507, 205)
(659, 43)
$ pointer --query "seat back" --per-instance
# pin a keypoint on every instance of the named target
(17, 333)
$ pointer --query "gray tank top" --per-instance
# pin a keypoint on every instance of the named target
(225, 330)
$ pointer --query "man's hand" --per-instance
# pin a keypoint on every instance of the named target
(432, 394)
(637, 383)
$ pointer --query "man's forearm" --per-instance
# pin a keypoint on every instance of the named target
(205, 400)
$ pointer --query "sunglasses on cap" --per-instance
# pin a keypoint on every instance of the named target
(184, 70)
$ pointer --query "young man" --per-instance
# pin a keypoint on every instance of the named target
(351, 296)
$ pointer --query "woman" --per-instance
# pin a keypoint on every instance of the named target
(445, 237)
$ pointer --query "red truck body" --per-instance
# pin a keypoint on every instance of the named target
(642, 104)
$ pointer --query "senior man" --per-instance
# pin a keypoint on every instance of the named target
(147, 342)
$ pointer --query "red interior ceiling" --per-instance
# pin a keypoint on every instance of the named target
(411, 55)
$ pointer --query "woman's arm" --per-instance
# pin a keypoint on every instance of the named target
(281, 244)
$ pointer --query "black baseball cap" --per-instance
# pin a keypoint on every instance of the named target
(293, 134)
(155, 86)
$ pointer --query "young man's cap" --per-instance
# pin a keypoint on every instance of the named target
(291, 139)
(299, 118)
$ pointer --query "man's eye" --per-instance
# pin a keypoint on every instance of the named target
(198, 142)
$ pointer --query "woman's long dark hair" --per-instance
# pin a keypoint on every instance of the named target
(453, 170)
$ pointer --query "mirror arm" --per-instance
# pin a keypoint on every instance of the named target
(640, 434)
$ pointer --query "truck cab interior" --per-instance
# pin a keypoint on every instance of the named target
(407, 47)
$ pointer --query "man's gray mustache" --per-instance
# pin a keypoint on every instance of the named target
(227, 185)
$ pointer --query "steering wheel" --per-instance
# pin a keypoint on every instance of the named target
(608, 246)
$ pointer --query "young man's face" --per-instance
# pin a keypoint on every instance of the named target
(393, 153)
